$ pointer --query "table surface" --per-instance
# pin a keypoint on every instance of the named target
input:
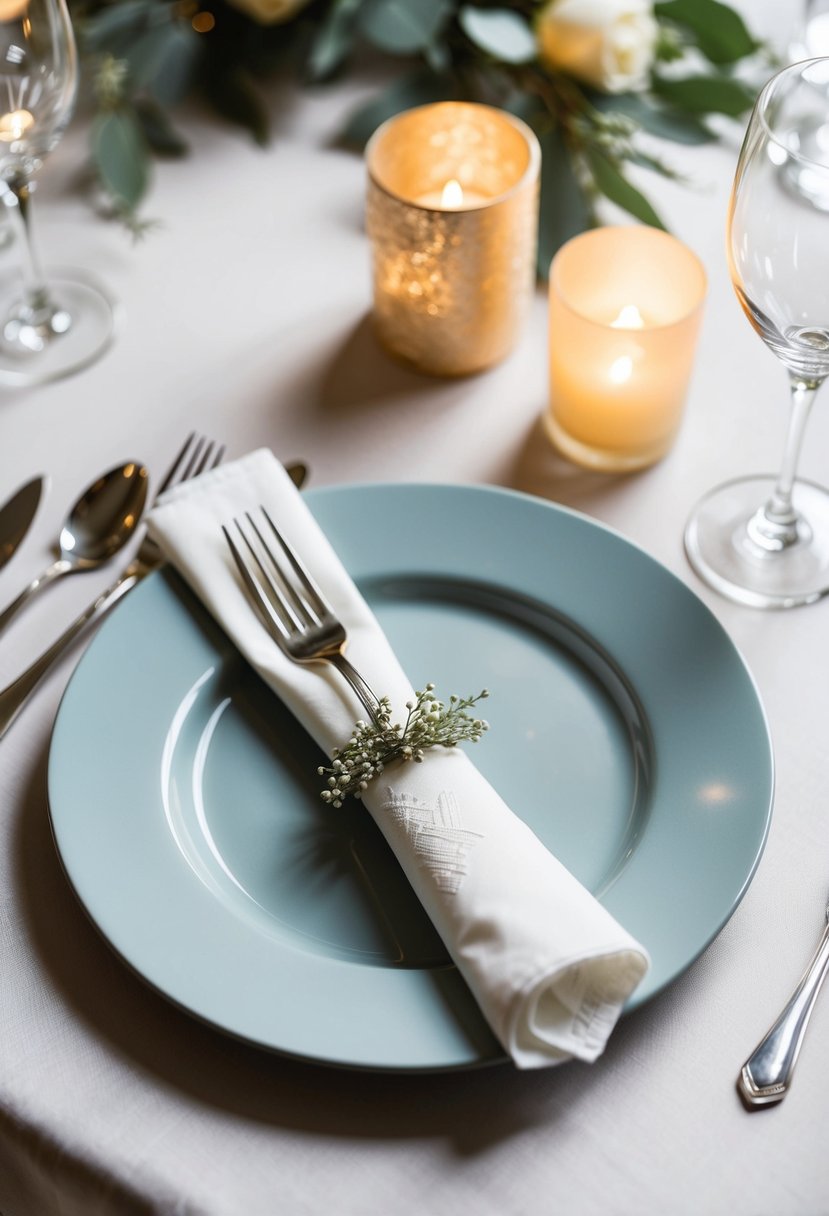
(246, 315)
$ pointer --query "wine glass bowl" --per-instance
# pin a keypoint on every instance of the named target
(47, 328)
(764, 541)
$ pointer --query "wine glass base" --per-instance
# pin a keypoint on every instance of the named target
(88, 314)
(722, 552)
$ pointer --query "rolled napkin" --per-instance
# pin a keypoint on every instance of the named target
(549, 967)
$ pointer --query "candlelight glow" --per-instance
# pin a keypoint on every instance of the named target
(452, 194)
(629, 318)
(620, 370)
(10, 10)
(453, 265)
(15, 125)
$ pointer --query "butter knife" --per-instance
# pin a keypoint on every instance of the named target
(16, 516)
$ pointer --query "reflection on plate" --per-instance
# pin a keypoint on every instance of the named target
(625, 730)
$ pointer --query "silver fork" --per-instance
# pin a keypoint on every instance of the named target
(196, 456)
(293, 609)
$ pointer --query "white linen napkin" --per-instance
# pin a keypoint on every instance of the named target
(547, 964)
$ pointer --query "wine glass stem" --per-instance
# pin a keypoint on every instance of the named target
(775, 526)
(35, 292)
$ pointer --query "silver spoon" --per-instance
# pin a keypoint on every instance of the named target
(766, 1076)
(98, 525)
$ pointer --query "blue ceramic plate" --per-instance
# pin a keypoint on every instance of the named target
(625, 729)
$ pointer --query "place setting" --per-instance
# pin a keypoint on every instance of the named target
(412, 777)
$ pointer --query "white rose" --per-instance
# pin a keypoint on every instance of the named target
(606, 43)
(269, 12)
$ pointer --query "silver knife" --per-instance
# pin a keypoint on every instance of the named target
(147, 559)
(16, 516)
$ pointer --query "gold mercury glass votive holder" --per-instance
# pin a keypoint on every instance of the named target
(625, 310)
(452, 214)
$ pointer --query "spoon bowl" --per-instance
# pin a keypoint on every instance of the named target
(104, 517)
(96, 527)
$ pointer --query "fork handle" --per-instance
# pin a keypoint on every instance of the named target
(15, 695)
(364, 693)
(767, 1073)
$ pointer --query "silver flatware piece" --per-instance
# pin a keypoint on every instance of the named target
(292, 608)
(16, 516)
(96, 527)
(766, 1076)
(195, 457)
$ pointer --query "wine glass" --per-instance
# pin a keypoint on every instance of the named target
(760, 540)
(47, 329)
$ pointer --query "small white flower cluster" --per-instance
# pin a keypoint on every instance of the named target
(373, 745)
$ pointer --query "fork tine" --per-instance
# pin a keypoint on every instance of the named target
(318, 602)
(174, 467)
(270, 618)
(211, 458)
(296, 607)
(283, 596)
(197, 455)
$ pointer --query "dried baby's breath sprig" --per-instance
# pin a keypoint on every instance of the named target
(373, 745)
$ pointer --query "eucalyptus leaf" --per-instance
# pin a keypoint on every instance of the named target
(113, 28)
(564, 211)
(501, 32)
(120, 155)
(404, 27)
(164, 61)
(718, 31)
(610, 182)
(415, 89)
(529, 107)
(656, 119)
(233, 94)
(706, 94)
(158, 130)
(334, 39)
(438, 56)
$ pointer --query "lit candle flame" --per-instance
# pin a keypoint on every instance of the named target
(452, 195)
(15, 125)
(629, 318)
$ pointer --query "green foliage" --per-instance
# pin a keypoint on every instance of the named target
(502, 33)
(706, 94)
(565, 210)
(619, 190)
(374, 745)
(146, 56)
(652, 115)
(334, 40)
(401, 27)
(718, 31)
(120, 155)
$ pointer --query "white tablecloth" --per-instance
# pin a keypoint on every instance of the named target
(245, 315)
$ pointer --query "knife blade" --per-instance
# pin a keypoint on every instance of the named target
(16, 516)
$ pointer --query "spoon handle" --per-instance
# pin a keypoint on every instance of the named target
(16, 694)
(767, 1073)
(37, 584)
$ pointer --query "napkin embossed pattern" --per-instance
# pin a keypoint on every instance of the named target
(548, 965)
